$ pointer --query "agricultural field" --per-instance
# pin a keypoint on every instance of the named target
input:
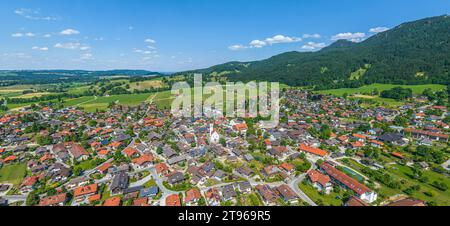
(31, 95)
(101, 103)
(155, 83)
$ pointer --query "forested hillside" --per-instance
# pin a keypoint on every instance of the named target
(412, 53)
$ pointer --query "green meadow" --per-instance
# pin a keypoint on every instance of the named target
(417, 89)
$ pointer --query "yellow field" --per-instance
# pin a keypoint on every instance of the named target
(31, 95)
(146, 84)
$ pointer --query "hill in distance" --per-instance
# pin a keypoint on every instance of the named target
(12, 77)
(416, 52)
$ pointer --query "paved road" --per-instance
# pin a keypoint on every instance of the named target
(5, 192)
(15, 198)
(294, 185)
(165, 192)
(446, 165)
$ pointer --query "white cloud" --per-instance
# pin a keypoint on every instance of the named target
(84, 48)
(33, 14)
(237, 47)
(40, 48)
(311, 36)
(69, 32)
(282, 39)
(47, 35)
(72, 46)
(313, 46)
(378, 29)
(149, 40)
(354, 37)
(145, 52)
(268, 41)
(17, 35)
(86, 56)
(17, 55)
(257, 44)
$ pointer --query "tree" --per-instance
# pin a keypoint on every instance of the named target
(400, 121)
(397, 93)
(32, 199)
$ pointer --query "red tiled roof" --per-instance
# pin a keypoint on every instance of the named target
(315, 151)
(316, 176)
(161, 167)
(397, 154)
(103, 152)
(130, 151)
(377, 142)
(345, 179)
(95, 197)
(173, 200)
(77, 150)
(103, 168)
(423, 132)
(141, 202)
(143, 159)
(10, 158)
(359, 136)
(357, 144)
(114, 201)
(53, 200)
(89, 189)
(287, 166)
(407, 202)
(115, 144)
(192, 194)
(240, 127)
(355, 201)
(29, 181)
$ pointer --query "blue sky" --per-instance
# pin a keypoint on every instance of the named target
(174, 35)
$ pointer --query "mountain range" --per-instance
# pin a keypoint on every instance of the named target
(416, 52)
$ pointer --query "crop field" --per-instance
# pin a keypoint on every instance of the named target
(101, 103)
(155, 83)
(31, 95)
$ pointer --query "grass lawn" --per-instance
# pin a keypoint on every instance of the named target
(317, 197)
(252, 199)
(87, 165)
(442, 198)
(150, 183)
(352, 163)
(13, 174)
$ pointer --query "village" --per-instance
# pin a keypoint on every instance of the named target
(326, 150)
